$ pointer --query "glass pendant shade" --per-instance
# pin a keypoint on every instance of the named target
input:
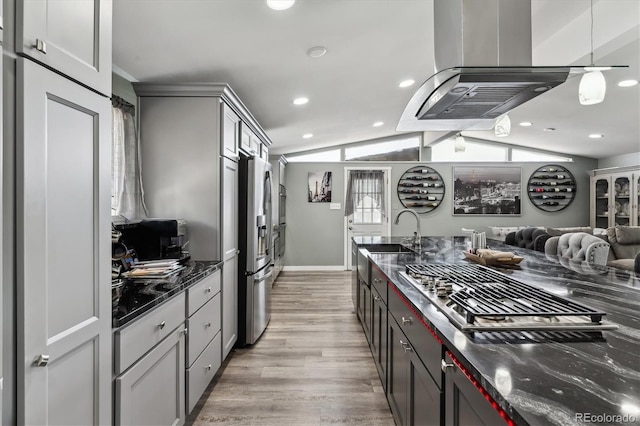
(459, 144)
(280, 4)
(592, 88)
(503, 126)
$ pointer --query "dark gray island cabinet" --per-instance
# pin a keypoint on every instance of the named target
(433, 373)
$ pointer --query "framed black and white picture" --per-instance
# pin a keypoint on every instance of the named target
(481, 190)
(319, 187)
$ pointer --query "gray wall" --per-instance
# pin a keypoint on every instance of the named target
(632, 159)
(315, 234)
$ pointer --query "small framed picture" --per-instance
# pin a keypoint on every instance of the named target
(319, 187)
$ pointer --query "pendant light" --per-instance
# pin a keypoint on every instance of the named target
(593, 86)
(459, 144)
(503, 126)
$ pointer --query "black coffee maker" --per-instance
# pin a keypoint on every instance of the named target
(154, 239)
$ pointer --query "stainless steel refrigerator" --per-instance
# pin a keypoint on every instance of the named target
(255, 266)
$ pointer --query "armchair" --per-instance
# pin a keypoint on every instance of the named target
(625, 247)
(530, 238)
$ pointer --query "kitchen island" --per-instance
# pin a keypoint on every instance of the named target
(533, 378)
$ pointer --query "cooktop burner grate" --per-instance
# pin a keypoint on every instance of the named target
(477, 292)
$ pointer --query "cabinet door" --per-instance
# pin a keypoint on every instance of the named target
(70, 36)
(397, 374)
(636, 197)
(264, 152)
(63, 220)
(255, 145)
(230, 124)
(229, 200)
(365, 309)
(424, 395)
(354, 277)
(622, 199)
(379, 335)
(152, 392)
(600, 201)
(464, 404)
(245, 138)
(229, 305)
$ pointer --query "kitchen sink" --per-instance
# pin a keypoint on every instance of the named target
(388, 248)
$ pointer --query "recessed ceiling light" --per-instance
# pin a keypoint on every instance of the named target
(549, 129)
(628, 83)
(526, 124)
(596, 136)
(280, 4)
(317, 51)
(300, 101)
(378, 124)
(307, 135)
(406, 83)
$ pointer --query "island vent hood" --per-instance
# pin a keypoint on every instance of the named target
(483, 67)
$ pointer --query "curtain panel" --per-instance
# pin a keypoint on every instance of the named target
(364, 183)
(127, 194)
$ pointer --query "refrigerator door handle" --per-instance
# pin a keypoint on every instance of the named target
(265, 276)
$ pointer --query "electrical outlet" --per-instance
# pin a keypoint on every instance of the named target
(335, 206)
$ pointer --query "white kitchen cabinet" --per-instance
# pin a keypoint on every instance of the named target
(152, 392)
(230, 252)
(70, 36)
(615, 197)
(245, 138)
(230, 132)
(63, 187)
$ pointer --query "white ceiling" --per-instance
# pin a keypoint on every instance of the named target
(372, 46)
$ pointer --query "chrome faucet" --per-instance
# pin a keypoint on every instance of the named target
(417, 235)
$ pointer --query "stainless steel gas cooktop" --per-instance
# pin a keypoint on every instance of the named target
(475, 298)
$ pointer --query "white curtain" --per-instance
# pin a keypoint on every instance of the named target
(364, 183)
(127, 195)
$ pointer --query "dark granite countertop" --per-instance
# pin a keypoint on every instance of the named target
(139, 296)
(542, 382)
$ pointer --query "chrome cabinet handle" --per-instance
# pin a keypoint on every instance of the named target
(185, 331)
(207, 324)
(207, 290)
(407, 320)
(208, 367)
(162, 324)
(377, 298)
(406, 346)
(377, 280)
(42, 360)
(41, 46)
(444, 365)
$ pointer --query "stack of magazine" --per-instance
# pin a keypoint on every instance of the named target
(154, 269)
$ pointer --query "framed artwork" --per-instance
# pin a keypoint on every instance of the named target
(319, 187)
(490, 191)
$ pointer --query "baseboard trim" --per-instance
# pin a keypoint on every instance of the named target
(314, 268)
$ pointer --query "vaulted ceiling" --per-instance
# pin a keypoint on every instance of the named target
(373, 45)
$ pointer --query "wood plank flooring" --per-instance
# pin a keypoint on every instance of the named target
(312, 366)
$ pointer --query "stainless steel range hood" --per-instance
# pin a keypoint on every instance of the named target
(483, 67)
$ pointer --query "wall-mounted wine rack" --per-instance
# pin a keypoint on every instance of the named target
(551, 188)
(421, 188)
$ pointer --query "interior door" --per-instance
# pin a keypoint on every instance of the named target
(369, 217)
(63, 180)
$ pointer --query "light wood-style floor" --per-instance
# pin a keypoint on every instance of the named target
(312, 366)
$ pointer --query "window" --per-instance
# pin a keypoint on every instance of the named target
(365, 196)
(405, 149)
(523, 155)
(330, 156)
(474, 151)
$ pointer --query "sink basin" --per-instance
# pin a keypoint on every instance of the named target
(388, 248)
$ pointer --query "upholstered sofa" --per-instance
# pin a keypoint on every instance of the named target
(530, 238)
(578, 247)
(625, 247)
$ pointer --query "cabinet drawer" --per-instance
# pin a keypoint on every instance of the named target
(200, 293)
(379, 281)
(202, 326)
(143, 334)
(423, 342)
(202, 371)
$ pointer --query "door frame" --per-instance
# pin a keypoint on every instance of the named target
(345, 233)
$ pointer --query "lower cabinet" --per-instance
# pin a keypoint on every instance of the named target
(414, 397)
(379, 335)
(151, 392)
(464, 403)
(201, 372)
(364, 308)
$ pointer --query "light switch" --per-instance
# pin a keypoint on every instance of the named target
(335, 206)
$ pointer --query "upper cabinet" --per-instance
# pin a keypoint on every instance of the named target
(615, 198)
(70, 36)
(230, 131)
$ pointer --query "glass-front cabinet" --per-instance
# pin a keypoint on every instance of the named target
(615, 196)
